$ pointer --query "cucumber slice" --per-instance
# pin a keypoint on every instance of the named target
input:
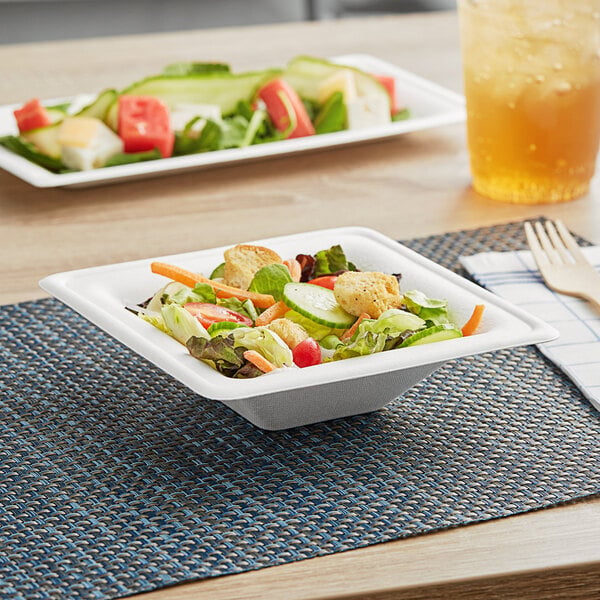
(45, 139)
(317, 304)
(99, 106)
(219, 272)
(223, 327)
(437, 333)
(221, 88)
(306, 73)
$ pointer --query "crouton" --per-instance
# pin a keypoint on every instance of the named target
(291, 333)
(243, 261)
(367, 292)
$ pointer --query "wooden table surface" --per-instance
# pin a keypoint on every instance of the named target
(413, 185)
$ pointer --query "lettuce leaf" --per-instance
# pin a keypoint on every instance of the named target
(331, 261)
(314, 330)
(387, 332)
(332, 116)
(181, 324)
(30, 152)
(271, 280)
(190, 68)
(434, 311)
(245, 308)
(265, 342)
(222, 354)
(128, 158)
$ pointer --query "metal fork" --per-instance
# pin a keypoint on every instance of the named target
(561, 262)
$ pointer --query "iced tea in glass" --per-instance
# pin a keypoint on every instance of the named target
(532, 87)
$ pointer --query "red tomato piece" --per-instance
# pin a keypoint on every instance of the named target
(32, 115)
(389, 83)
(326, 281)
(208, 314)
(144, 124)
(285, 108)
(307, 353)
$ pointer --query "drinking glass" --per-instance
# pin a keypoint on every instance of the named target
(532, 87)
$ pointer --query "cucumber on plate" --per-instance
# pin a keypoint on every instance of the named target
(317, 304)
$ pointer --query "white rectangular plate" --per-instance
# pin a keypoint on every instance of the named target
(430, 106)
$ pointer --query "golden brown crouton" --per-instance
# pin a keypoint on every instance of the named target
(367, 292)
(291, 333)
(242, 262)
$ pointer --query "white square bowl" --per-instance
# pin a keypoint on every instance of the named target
(294, 397)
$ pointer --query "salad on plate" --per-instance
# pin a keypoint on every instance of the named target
(195, 107)
(258, 312)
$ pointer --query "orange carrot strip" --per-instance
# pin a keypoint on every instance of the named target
(472, 324)
(221, 290)
(294, 268)
(259, 361)
(350, 332)
(273, 312)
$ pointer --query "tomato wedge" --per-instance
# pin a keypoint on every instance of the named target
(286, 109)
(32, 115)
(144, 124)
(326, 281)
(208, 314)
(389, 83)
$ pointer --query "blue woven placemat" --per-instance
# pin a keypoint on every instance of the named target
(115, 479)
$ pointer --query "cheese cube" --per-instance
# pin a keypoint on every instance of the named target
(87, 143)
(368, 111)
(342, 81)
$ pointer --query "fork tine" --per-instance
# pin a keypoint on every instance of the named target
(551, 253)
(558, 243)
(571, 243)
(538, 253)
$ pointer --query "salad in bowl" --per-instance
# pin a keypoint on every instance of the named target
(258, 312)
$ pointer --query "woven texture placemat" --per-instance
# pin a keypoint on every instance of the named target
(115, 478)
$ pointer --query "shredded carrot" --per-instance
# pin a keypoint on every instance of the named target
(294, 268)
(472, 324)
(221, 290)
(270, 314)
(350, 332)
(259, 361)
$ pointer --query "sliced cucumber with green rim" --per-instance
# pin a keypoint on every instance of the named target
(317, 304)
(437, 333)
(223, 327)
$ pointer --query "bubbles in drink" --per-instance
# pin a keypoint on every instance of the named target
(563, 87)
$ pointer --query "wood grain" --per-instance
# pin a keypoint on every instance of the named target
(414, 185)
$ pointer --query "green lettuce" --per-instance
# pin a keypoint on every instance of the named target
(314, 330)
(332, 116)
(331, 261)
(223, 355)
(265, 342)
(434, 311)
(387, 332)
(245, 308)
(30, 152)
(191, 68)
(181, 324)
(271, 279)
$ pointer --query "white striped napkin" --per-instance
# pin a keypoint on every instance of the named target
(514, 276)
